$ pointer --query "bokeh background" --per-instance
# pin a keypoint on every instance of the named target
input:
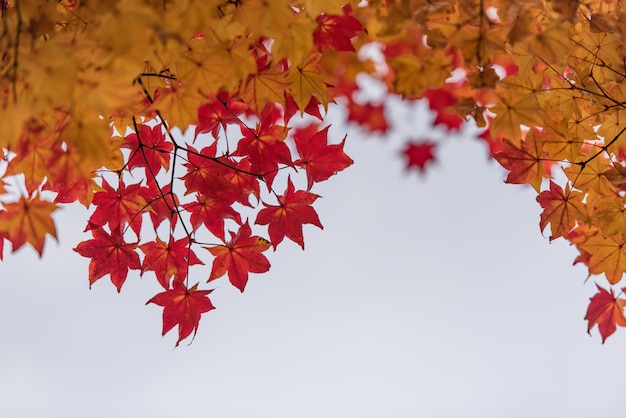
(424, 296)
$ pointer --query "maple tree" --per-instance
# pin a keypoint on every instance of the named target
(195, 128)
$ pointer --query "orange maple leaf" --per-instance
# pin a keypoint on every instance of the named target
(28, 220)
(240, 256)
(561, 209)
(606, 311)
(524, 163)
(608, 256)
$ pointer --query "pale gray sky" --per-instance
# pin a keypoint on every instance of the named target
(422, 297)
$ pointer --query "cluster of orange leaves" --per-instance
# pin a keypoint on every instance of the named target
(90, 93)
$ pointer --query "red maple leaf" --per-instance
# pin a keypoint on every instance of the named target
(607, 311)
(440, 100)
(265, 146)
(291, 107)
(221, 112)
(161, 203)
(370, 116)
(335, 31)
(418, 154)
(319, 159)
(294, 210)
(149, 148)
(212, 213)
(209, 175)
(109, 254)
(168, 259)
(116, 207)
(182, 307)
(240, 256)
(244, 182)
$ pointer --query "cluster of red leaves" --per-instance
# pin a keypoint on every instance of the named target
(191, 195)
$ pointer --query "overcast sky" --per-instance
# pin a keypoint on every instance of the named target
(424, 296)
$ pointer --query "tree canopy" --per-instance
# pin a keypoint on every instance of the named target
(196, 129)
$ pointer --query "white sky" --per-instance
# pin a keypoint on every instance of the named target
(423, 297)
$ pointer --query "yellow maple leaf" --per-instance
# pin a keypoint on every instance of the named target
(610, 215)
(268, 85)
(92, 139)
(514, 110)
(560, 143)
(417, 72)
(307, 80)
(591, 175)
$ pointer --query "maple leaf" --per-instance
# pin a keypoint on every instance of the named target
(27, 220)
(34, 155)
(109, 254)
(610, 216)
(267, 86)
(592, 176)
(439, 101)
(608, 256)
(221, 112)
(306, 80)
(161, 203)
(149, 148)
(606, 311)
(212, 213)
(179, 102)
(515, 110)
(182, 307)
(524, 163)
(370, 116)
(291, 108)
(69, 178)
(293, 211)
(419, 154)
(168, 260)
(336, 31)
(209, 175)
(240, 256)
(265, 147)
(317, 157)
(562, 209)
(118, 207)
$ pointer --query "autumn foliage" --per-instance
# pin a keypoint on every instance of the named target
(195, 130)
